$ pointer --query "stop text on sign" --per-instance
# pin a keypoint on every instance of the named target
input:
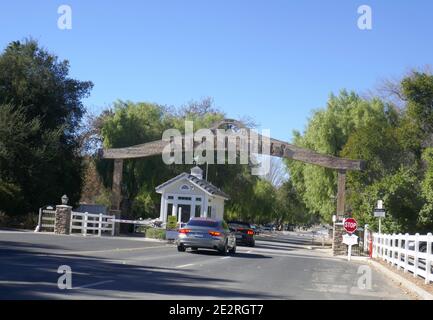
(350, 225)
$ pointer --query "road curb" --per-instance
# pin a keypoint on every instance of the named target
(408, 285)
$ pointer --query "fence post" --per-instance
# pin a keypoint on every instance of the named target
(428, 261)
(375, 245)
(39, 226)
(390, 244)
(382, 240)
(380, 245)
(406, 252)
(112, 225)
(399, 251)
(389, 249)
(416, 257)
(71, 223)
(100, 225)
(84, 225)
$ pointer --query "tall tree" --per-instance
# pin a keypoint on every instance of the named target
(327, 132)
(35, 86)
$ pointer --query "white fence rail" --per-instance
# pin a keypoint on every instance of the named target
(94, 224)
(408, 252)
(47, 218)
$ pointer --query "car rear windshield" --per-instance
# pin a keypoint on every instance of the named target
(203, 223)
(239, 225)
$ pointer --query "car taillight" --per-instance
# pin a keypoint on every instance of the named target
(184, 231)
(250, 232)
(214, 233)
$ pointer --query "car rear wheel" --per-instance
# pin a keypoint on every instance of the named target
(233, 250)
(225, 249)
(181, 248)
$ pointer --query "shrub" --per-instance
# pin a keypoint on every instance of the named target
(155, 233)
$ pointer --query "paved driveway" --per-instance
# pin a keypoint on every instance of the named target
(279, 267)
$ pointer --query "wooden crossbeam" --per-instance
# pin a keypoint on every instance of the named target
(277, 148)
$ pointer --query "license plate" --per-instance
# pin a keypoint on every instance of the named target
(238, 237)
(197, 235)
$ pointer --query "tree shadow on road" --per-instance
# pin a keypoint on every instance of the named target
(236, 255)
(29, 274)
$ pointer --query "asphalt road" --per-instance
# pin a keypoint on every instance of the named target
(279, 267)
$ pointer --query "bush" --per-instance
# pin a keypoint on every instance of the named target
(25, 221)
(155, 233)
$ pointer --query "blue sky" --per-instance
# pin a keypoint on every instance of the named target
(274, 61)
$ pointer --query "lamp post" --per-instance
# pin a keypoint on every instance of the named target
(65, 200)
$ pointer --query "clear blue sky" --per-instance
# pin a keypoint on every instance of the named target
(274, 61)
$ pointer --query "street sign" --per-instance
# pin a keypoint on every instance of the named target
(350, 225)
(379, 213)
(350, 240)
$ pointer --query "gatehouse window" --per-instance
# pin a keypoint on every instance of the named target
(197, 211)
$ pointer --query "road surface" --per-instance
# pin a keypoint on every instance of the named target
(279, 267)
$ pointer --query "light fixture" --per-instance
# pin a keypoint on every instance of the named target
(65, 199)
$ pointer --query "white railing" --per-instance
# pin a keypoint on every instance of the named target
(47, 218)
(95, 224)
(407, 252)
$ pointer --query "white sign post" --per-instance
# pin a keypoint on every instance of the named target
(350, 240)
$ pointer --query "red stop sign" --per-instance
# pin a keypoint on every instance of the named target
(350, 225)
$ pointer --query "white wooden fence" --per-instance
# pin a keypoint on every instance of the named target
(408, 252)
(95, 224)
(47, 217)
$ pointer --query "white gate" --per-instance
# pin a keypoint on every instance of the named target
(94, 224)
(47, 218)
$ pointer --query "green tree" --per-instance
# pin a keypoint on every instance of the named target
(426, 213)
(40, 113)
(127, 124)
(289, 208)
(417, 90)
(327, 132)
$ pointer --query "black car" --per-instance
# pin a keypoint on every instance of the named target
(243, 231)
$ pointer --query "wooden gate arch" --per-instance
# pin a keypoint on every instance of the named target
(277, 148)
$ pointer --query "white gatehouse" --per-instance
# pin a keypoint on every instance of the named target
(189, 195)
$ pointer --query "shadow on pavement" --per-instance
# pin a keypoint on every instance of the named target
(29, 274)
(236, 255)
